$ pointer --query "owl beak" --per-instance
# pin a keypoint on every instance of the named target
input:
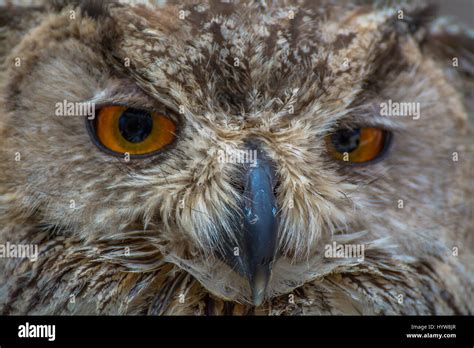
(260, 226)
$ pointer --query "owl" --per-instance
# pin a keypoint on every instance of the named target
(235, 158)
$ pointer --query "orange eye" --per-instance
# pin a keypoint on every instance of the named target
(127, 130)
(357, 145)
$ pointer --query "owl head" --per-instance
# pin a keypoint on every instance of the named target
(238, 147)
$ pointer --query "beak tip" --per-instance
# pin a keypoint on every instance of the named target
(259, 285)
(258, 299)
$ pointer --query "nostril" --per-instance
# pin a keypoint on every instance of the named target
(276, 188)
(239, 186)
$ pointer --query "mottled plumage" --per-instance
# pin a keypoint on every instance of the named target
(144, 236)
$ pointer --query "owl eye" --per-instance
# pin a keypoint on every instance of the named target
(358, 145)
(121, 129)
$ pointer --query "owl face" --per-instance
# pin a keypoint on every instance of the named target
(237, 142)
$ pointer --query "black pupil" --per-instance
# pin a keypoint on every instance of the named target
(346, 140)
(135, 125)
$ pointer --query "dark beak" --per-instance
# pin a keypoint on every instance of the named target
(258, 225)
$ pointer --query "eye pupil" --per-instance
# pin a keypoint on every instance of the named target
(135, 125)
(346, 140)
